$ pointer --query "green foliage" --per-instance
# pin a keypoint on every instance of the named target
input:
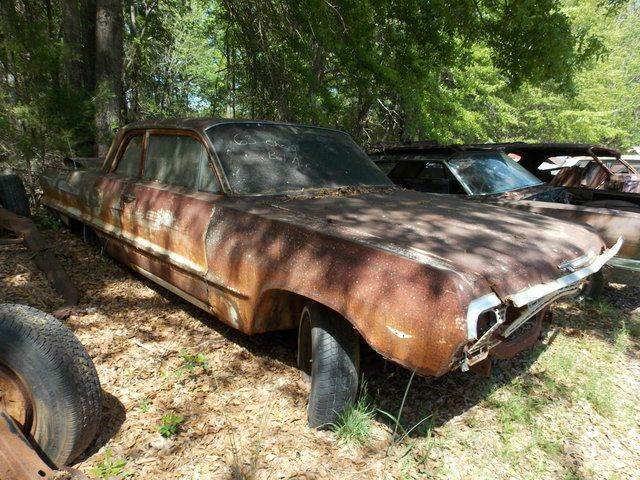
(145, 405)
(170, 425)
(467, 71)
(110, 468)
(190, 362)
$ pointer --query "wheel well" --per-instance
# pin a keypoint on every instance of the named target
(282, 310)
(278, 310)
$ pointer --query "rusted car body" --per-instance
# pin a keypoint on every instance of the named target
(430, 282)
(430, 167)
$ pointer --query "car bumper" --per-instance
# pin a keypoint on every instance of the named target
(528, 303)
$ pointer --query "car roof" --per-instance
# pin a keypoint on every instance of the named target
(549, 149)
(200, 124)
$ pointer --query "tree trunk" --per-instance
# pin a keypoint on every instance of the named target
(72, 34)
(88, 8)
(109, 52)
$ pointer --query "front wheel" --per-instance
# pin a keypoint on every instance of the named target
(335, 365)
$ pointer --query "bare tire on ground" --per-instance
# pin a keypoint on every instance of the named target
(48, 383)
(13, 195)
(335, 368)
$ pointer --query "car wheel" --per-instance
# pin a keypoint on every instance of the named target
(13, 195)
(48, 383)
(593, 287)
(335, 365)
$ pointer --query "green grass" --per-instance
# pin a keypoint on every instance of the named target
(170, 425)
(354, 426)
(110, 468)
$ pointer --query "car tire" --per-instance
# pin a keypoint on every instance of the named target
(593, 287)
(13, 195)
(50, 385)
(335, 366)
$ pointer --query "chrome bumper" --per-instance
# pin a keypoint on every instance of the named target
(531, 294)
(545, 291)
(630, 264)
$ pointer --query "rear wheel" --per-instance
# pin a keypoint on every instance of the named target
(335, 365)
(13, 195)
(48, 383)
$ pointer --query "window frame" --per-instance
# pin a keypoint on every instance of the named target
(122, 147)
(177, 132)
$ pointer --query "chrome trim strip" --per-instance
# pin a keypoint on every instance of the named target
(625, 264)
(531, 294)
(477, 307)
(172, 288)
(573, 265)
(138, 242)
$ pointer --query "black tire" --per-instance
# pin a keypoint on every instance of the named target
(335, 353)
(593, 287)
(56, 378)
(13, 195)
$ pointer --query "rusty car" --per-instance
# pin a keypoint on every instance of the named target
(485, 173)
(597, 175)
(272, 226)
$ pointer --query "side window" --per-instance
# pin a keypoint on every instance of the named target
(129, 164)
(179, 160)
(432, 171)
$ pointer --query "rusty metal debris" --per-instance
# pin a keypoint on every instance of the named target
(45, 260)
(20, 461)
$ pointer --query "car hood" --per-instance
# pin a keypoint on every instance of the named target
(510, 249)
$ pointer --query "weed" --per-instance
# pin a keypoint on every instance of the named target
(354, 425)
(45, 219)
(171, 424)
(622, 339)
(239, 469)
(144, 405)
(111, 468)
(190, 362)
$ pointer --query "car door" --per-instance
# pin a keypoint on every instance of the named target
(109, 197)
(169, 212)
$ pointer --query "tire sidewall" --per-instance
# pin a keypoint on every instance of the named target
(338, 378)
(60, 377)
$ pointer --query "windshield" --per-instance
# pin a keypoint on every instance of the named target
(261, 158)
(484, 173)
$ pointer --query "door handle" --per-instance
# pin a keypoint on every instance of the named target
(128, 198)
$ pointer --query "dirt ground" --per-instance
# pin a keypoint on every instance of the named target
(569, 408)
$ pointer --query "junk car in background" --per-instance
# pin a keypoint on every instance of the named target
(488, 174)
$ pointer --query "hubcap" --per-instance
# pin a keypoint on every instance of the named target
(15, 399)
